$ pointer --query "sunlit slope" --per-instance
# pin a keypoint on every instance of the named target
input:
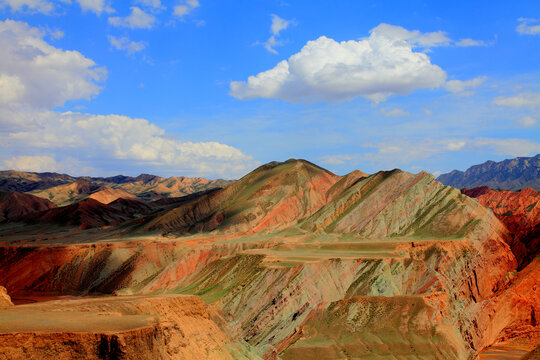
(274, 196)
(398, 203)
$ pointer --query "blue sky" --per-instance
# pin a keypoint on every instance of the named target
(201, 88)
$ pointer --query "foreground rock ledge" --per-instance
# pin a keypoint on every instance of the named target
(127, 327)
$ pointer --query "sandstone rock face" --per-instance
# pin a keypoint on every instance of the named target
(5, 299)
(131, 327)
(520, 212)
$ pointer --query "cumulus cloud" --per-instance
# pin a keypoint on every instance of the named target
(137, 19)
(118, 138)
(185, 8)
(41, 6)
(46, 163)
(124, 44)
(278, 25)
(36, 74)
(382, 65)
(35, 77)
(459, 86)
(37, 163)
(394, 112)
(528, 26)
(524, 99)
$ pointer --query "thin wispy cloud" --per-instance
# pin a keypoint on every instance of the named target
(464, 87)
(278, 25)
(527, 99)
(39, 6)
(125, 44)
(184, 9)
(470, 42)
(394, 112)
(528, 26)
(527, 121)
(137, 19)
(95, 6)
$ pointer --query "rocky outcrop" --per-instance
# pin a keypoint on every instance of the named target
(397, 203)
(131, 327)
(511, 174)
(353, 328)
(5, 299)
(520, 212)
(512, 313)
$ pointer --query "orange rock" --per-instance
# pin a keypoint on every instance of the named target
(5, 299)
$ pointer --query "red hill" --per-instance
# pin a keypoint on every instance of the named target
(14, 205)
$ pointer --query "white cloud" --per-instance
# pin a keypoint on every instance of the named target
(56, 34)
(455, 145)
(36, 74)
(41, 6)
(414, 38)
(278, 25)
(156, 4)
(394, 112)
(428, 112)
(527, 121)
(470, 42)
(510, 146)
(186, 8)
(95, 6)
(45, 163)
(459, 86)
(377, 67)
(117, 138)
(31, 163)
(398, 153)
(528, 26)
(123, 43)
(524, 99)
(138, 19)
(338, 159)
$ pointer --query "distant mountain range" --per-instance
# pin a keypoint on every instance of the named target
(510, 174)
(64, 189)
